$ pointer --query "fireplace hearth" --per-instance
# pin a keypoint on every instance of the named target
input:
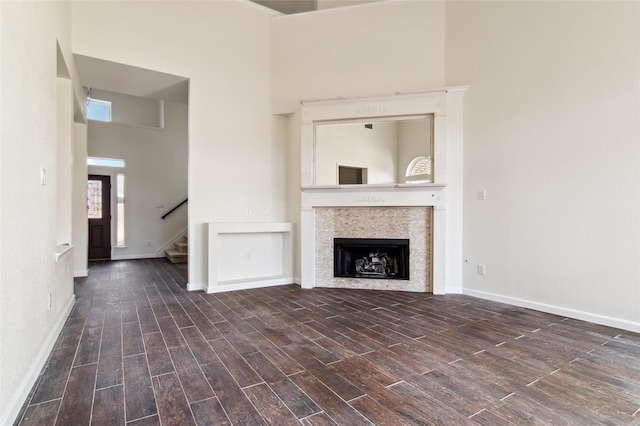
(377, 258)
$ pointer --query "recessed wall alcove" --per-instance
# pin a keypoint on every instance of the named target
(429, 214)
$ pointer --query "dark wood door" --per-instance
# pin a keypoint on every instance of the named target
(99, 215)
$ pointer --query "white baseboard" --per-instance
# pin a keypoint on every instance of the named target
(134, 256)
(20, 396)
(558, 310)
(81, 274)
(247, 285)
(195, 287)
(455, 290)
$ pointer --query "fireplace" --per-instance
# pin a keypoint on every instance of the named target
(377, 258)
(395, 238)
(429, 214)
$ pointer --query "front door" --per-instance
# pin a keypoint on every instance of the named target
(99, 214)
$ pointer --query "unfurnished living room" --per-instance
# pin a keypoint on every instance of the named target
(319, 212)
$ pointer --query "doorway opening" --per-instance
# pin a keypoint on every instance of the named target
(99, 216)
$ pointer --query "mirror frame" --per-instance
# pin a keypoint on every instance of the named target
(396, 107)
(372, 120)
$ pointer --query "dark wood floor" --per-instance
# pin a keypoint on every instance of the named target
(140, 350)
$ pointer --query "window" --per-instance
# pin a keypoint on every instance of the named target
(419, 170)
(120, 210)
(98, 110)
(105, 162)
(94, 199)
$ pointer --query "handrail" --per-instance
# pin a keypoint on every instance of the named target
(174, 209)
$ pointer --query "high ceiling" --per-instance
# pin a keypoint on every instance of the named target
(114, 77)
(289, 7)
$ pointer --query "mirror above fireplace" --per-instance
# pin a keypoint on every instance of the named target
(395, 141)
(389, 150)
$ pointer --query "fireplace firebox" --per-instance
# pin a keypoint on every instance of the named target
(377, 258)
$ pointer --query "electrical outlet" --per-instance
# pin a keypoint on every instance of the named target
(482, 194)
(481, 269)
(148, 243)
(49, 303)
(43, 176)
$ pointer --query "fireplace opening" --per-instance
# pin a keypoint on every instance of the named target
(378, 258)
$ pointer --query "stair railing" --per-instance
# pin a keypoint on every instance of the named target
(174, 209)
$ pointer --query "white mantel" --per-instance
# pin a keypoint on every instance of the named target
(415, 194)
(445, 195)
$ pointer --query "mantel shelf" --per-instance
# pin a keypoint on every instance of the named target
(373, 188)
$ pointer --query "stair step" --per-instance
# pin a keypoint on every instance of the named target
(182, 247)
(175, 256)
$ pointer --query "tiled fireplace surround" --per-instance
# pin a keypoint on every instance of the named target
(413, 223)
(428, 214)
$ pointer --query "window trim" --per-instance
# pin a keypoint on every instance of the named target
(99, 102)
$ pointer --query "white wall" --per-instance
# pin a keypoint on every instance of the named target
(294, 195)
(64, 158)
(134, 110)
(223, 47)
(368, 50)
(79, 200)
(551, 132)
(29, 223)
(155, 175)
(351, 144)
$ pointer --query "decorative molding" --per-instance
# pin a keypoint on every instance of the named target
(409, 195)
(370, 110)
(374, 187)
(369, 199)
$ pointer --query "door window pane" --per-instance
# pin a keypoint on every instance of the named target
(94, 199)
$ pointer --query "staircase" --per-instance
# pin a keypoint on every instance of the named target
(180, 251)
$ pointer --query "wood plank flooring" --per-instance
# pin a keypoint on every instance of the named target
(140, 350)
